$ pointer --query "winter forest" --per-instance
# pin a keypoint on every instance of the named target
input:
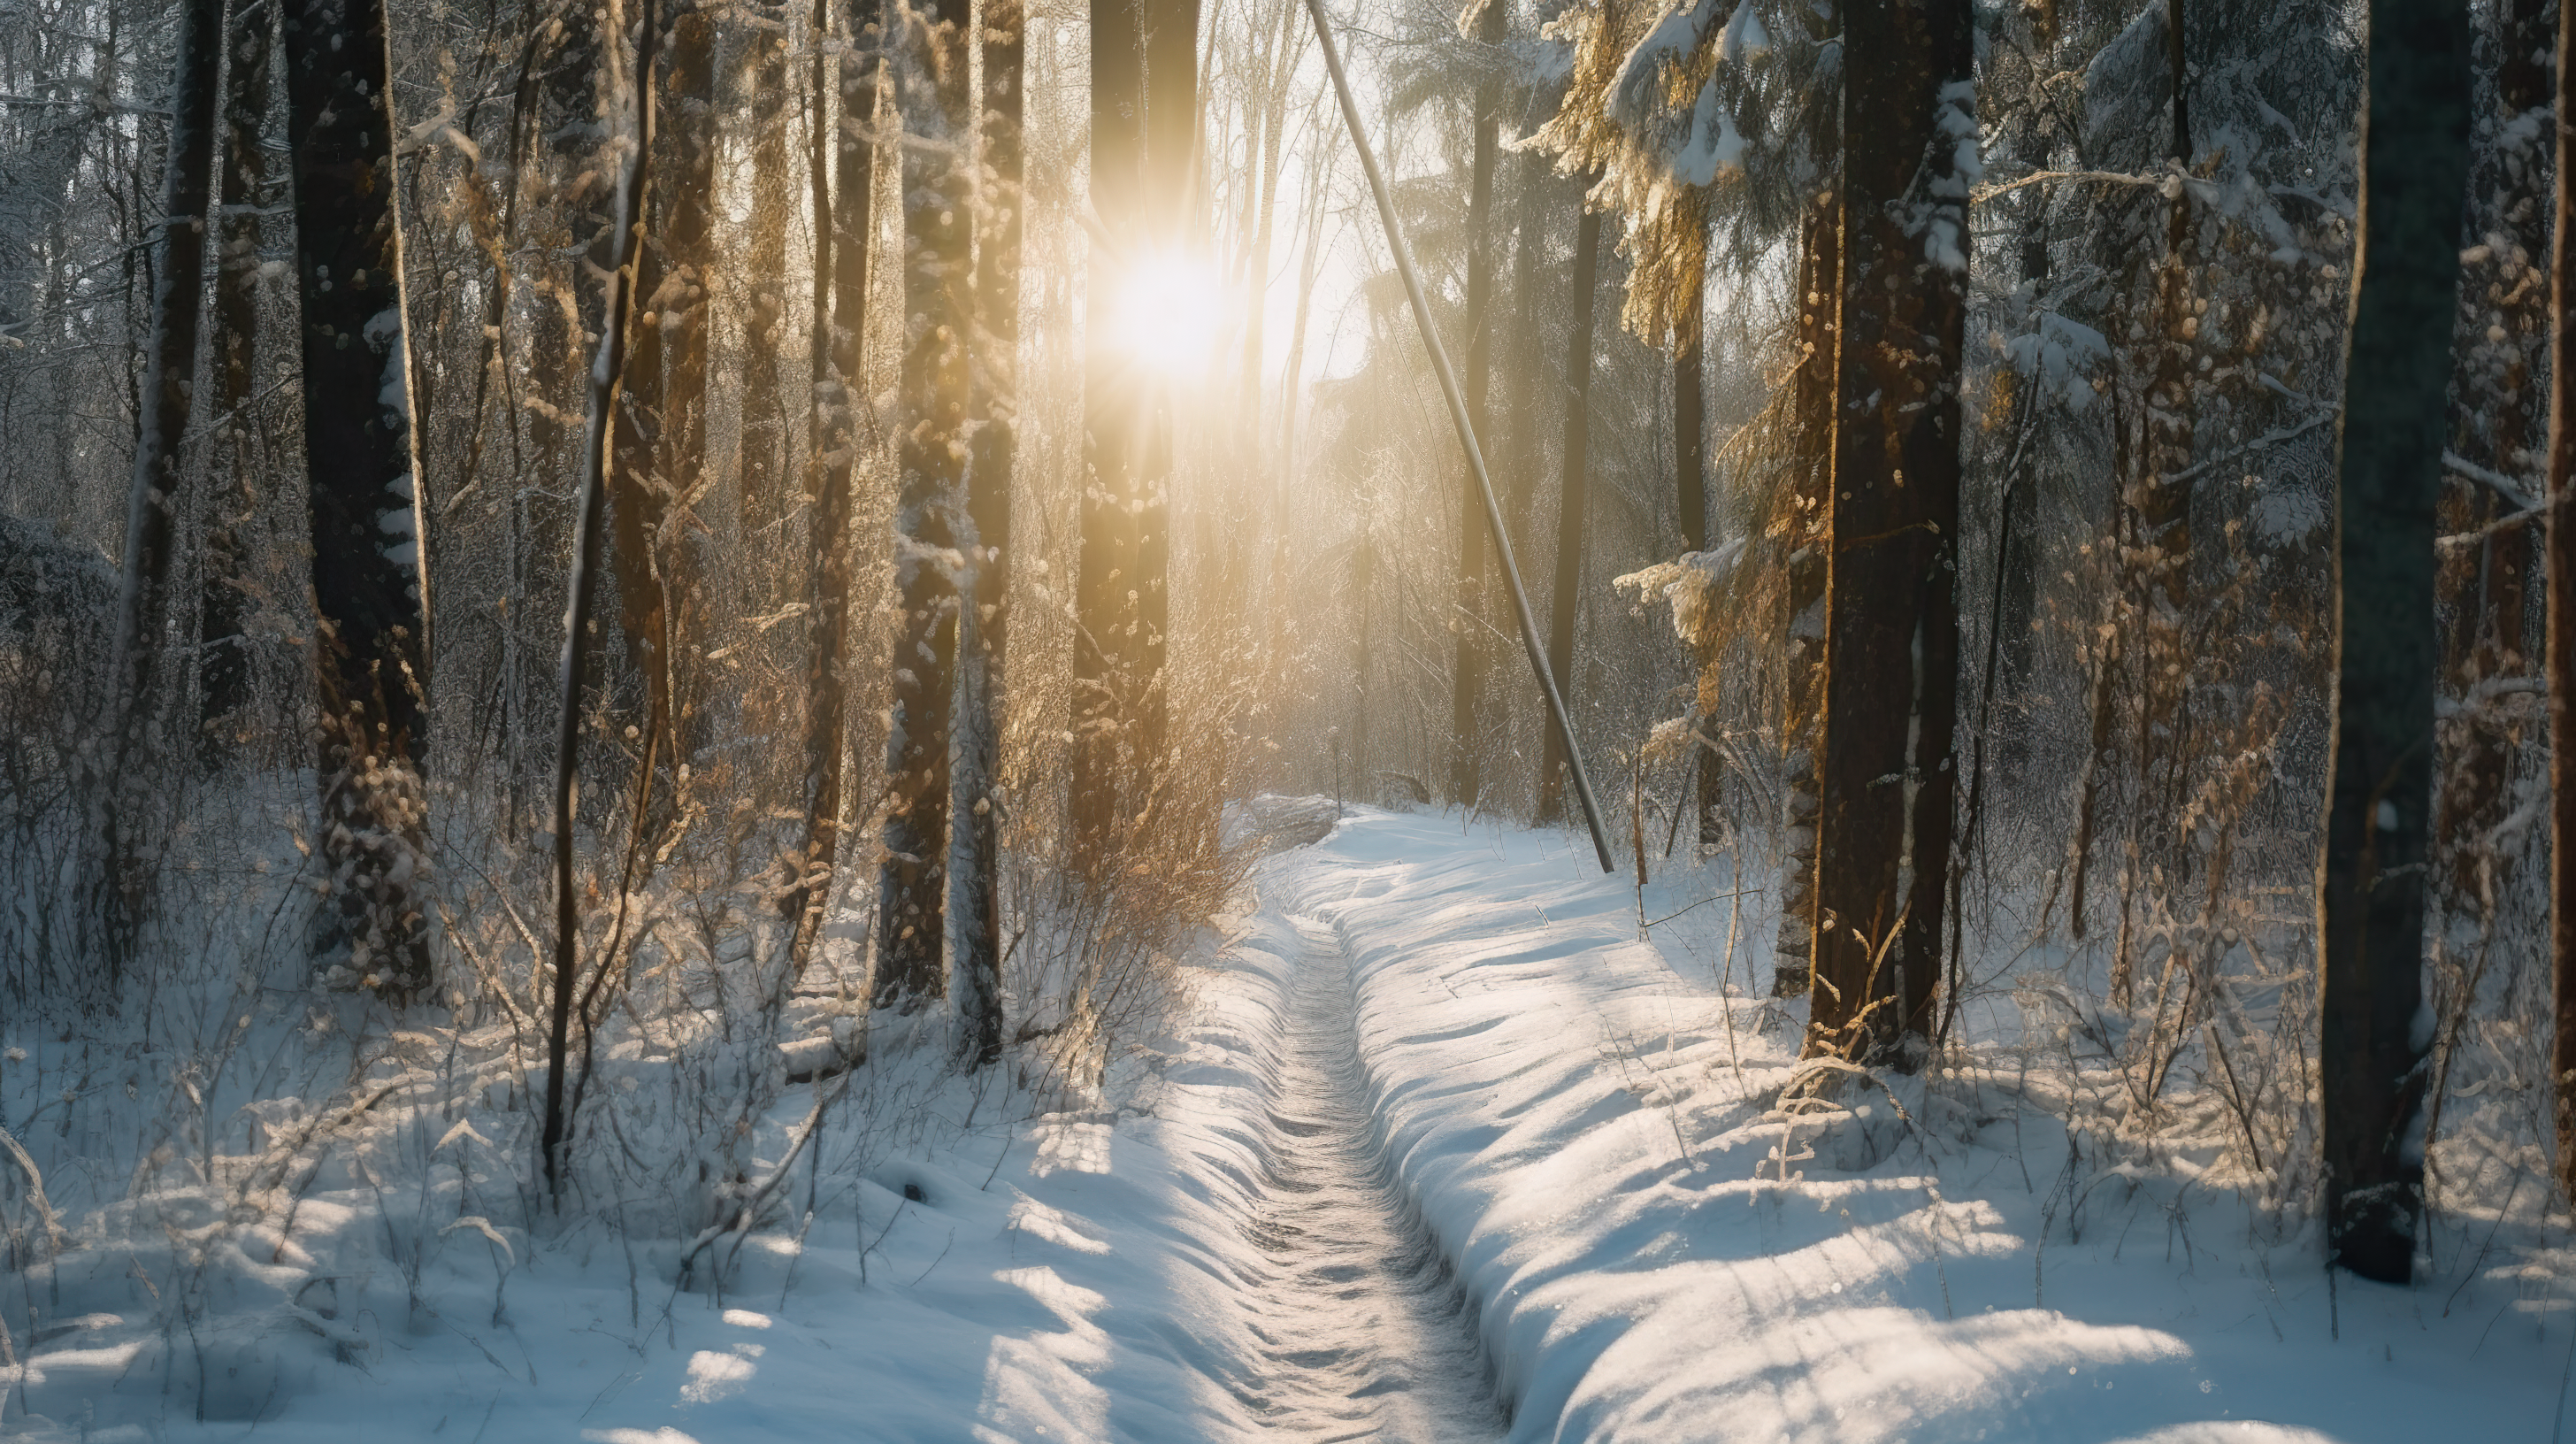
(1212, 720)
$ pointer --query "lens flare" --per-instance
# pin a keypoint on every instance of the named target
(1172, 311)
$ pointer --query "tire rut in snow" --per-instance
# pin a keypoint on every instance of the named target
(1364, 1330)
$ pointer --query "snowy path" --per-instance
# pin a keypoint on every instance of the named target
(1365, 1335)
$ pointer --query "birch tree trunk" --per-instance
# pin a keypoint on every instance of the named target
(1812, 391)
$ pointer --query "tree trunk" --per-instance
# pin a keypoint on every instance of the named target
(1467, 623)
(2489, 583)
(1690, 480)
(844, 221)
(660, 434)
(1172, 196)
(607, 371)
(170, 358)
(2370, 890)
(2560, 538)
(369, 586)
(984, 628)
(1803, 652)
(1570, 501)
(152, 503)
(939, 306)
(1105, 620)
(1883, 769)
(223, 656)
(765, 449)
(2159, 499)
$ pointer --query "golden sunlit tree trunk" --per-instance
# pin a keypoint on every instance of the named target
(765, 446)
(1172, 228)
(1467, 624)
(1105, 620)
(1883, 765)
(931, 443)
(1571, 498)
(984, 626)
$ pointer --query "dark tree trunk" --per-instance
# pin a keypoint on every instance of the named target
(223, 658)
(1690, 411)
(369, 585)
(170, 357)
(1467, 623)
(983, 628)
(939, 307)
(1570, 500)
(2371, 889)
(152, 503)
(1105, 621)
(840, 326)
(1883, 766)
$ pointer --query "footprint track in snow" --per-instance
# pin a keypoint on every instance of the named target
(1365, 1334)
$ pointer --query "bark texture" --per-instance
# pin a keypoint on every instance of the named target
(1883, 768)
(931, 445)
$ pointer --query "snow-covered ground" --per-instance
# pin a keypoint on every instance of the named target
(1446, 1153)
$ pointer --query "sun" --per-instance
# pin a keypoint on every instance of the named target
(1172, 310)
